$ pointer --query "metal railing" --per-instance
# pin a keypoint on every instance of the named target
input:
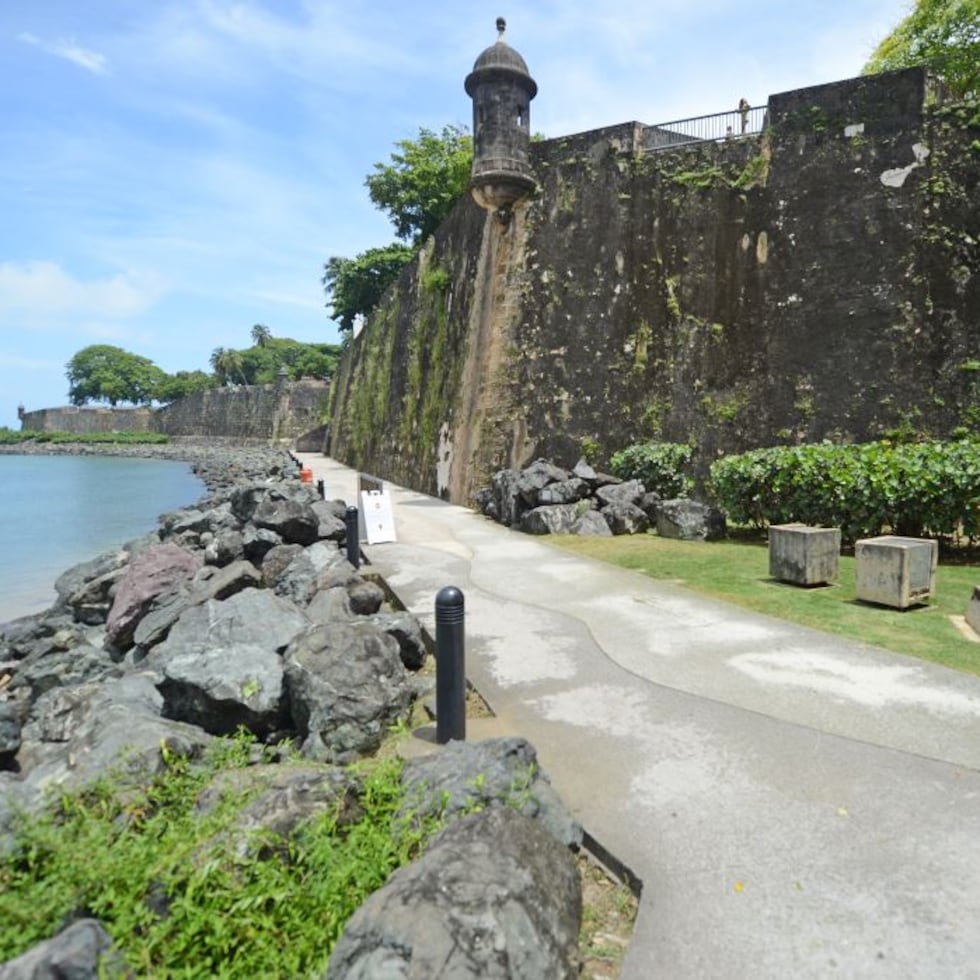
(716, 128)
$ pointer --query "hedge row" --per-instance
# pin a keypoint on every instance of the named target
(10, 437)
(659, 466)
(929, 488)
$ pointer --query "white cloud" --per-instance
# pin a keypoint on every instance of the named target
(71, 51)
(44, 288)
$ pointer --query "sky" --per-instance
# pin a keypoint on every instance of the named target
(173, 172)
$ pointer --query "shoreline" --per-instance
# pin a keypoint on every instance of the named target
(217, 464)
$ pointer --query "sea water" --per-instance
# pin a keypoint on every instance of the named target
(58, 511)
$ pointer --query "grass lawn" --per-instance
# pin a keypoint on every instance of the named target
(738, 572)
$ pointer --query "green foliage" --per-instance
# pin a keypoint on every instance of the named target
(355, 286)
(260, 364)
(9, 437)
(104, 373)
(928, 487)
(425, 178)
(943, 35)
(659, 466)
(213, 912)
(182, 384)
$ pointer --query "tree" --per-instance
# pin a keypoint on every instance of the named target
(261, 335)
(943, 35)
(110, 374)
(182, 384)
(424, 180)
(355, 286)
(227, 365)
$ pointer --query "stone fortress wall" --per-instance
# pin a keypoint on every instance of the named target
(819, 279)
(294, 411)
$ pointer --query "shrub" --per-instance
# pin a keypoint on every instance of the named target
(659, 466)
(922, 488)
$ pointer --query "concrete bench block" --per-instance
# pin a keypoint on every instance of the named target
(973, 611)
(804, 555)
(895, 571)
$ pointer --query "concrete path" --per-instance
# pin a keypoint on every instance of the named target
(795, 805)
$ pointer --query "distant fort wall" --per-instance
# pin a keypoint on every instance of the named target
(288, 412)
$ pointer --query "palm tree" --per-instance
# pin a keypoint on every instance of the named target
(261, 335)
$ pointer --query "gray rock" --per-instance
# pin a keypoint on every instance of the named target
(467, 775)
(82, 951)
(209, 584)
(149, 573)
(650, 504)
(630, 492)
(689, 520)
(536, 477)
(564, 492)
(228, 545)
(276, 561)
(493, 898)
(407, 630)
(75, 578)
(332, 526)
(625, 518)
(366, 598)
(346, 687)
(591, 524)
(507, 498)
(91, 601)
(258, 541)
(329, 606)
(11, 722)
(584, 471)
(293, 521)
(554, 519)
(63, 668)
(281, 797)
(300, 580)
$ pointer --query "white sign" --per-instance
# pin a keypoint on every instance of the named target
(379, 522)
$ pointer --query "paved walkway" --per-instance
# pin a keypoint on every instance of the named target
(795, 805)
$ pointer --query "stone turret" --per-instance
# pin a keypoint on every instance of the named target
(501, 89)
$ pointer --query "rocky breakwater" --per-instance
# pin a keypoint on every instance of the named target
(545, 499)
(243, 612)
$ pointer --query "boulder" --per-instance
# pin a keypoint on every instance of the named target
(689, 520)
(407, 630)
(82, 951)
(223, 689)
(625, 518)
(493, 898)
(209, 584)
(564, 492)
(74, 579)
(329, 606)
(591, 524)
(91, 601)
(366, 597)
(293, 521)
(11, 721)
(226, 546)
(281, 797)
(151, 572)
(629, 492)
(554, 519)
(507, 498)
(300, 580)
(346, 687)
(331, 526)
(63, 668)
(464, 776)
(258, 541)
(536, 477)
(276, 561)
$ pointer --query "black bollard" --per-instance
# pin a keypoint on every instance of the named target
(353, 537)
(450, 667)
(322, 488)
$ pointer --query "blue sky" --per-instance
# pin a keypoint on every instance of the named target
(175, 171)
